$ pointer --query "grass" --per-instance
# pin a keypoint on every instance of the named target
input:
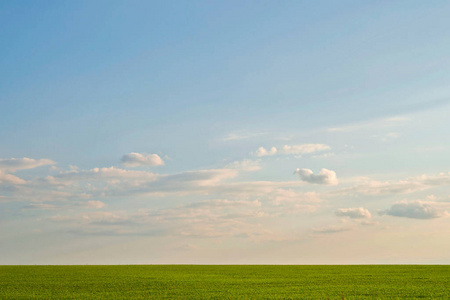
(225, 282)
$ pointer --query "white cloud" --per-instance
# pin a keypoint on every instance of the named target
(281, 196)
(40, 193)
(325, 176)
(384, 188)
(372, 125)
(241, 211)
(289, 202)
(96, 218)
(141, 159)
(415, 210)
(235, 210)
(113, 182)
(116, 182)
(215, 218)
(435, 180)
(15, 164)
(264, 152)
(241, 135)
(389, 136)
(325, 155)
(201, 181)
(73, 204)
(292, 149)
(405, 186)
(10, 179)
(208, 218)
(94, 204)
(386, 137)
(245, 165)
(104, 173)
(304, 149)
(354, 213)
(70, 190)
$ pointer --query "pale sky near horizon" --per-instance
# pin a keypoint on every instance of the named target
(224, 132)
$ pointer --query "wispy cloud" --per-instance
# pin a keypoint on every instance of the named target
(241, 135)
(405, 186)
(387, 137)
(91, 204)
(245, 165)
(10, 179)
(291, 149)
(331, 229)
(372, 124)
(15, 164)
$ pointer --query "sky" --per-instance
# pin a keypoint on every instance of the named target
(224, 132)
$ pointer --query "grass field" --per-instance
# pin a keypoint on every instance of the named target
(229, 282)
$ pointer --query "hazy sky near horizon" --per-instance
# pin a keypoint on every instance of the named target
(216, 132)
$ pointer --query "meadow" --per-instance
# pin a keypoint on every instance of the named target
(225, 282)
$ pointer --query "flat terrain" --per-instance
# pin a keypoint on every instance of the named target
(229, 282)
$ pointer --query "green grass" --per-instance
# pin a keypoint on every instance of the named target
(225, 282)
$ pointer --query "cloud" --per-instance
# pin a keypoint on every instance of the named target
(116, 182)
(291, 149)
(207, 219)
(405, 186)
(15, 164)
(304, 149)
(40, 206)
(201, 181)
(245, 165)
(10, 179)
(74, 204)
(70, 190)
(96, 218)
(325, 155)
(103, 174)
(264, 152)
(225, 207)
(141, 159)
(289, 202)
(354, 213)
(94, 204)
(435, 180)
(330, 229)
(241, 135)
(372, 124)
(281, 196)
(415, 210)
(325, 176)
(215, 218)
(388, 136)
(222, 203)
(384, 188)
(241, 209)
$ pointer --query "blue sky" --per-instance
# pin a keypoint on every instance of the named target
(224, 132)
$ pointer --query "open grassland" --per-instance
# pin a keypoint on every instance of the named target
(225, 282)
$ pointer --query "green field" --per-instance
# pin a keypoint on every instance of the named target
(230, 282)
